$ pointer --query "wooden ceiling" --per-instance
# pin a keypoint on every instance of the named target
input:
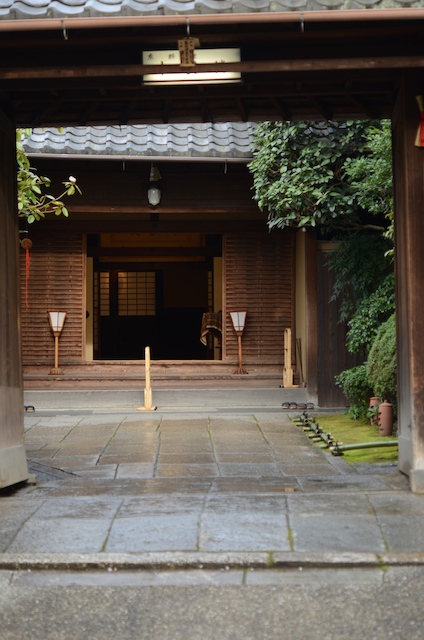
(291, 70)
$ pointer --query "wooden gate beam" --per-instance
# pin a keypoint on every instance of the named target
(13, 465)
(408, 163)
(268, 66)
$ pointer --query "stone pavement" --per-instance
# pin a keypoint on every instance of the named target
(220, 525)
(132, 483)
(358, 604)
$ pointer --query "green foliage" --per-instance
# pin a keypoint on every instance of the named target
(33, 204)
(382, 362)
(369, 315)
(360, 267)
(301, 173)
(357, 389)
(371, 174)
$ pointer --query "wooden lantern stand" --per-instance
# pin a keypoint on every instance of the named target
(240, 369)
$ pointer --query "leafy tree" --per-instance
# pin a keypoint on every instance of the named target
(311, 173)
(372, 177)
(360, 267)
(33, 204)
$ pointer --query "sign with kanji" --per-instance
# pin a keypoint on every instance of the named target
(186, 49)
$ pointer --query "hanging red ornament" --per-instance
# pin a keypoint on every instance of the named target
(26, 244)
(419, 140)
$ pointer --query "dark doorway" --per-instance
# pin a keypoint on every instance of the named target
(162, 308)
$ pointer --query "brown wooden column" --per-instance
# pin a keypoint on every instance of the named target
(408, 162)
(311, 316)
(13, 465)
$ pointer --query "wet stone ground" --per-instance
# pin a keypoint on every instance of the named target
(137, 483)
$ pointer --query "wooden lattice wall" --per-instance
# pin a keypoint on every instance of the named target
(259, 277)
(56, 281)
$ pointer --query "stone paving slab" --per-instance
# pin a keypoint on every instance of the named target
(61, 535)
(371, 577)
(338, 533)
(176, 577)
(159, 532)
(135, 470)
(252, 470)
(187, 470)
(127, 458)
(106, 471)
(403, 534)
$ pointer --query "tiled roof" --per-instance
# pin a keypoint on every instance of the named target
(23, 9)
(227, 140)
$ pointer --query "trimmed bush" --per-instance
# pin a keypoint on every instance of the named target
(382, 363)
(357, 389)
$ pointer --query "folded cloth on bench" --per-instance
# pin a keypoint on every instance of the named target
(211, 323)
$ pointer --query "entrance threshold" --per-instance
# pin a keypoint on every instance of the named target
(164, 373)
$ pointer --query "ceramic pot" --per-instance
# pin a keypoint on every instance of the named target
(373, 401)
(385, 418)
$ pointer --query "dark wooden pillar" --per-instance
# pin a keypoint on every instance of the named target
(311, 316)
(408, 162)
(13, 465)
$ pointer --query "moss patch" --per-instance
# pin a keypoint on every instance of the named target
(348, 431)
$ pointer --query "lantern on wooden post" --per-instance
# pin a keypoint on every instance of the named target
(57, 320)
(239, 320)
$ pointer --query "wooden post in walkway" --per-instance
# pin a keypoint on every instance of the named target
(408, 163)
(13, 465)
(148, 405)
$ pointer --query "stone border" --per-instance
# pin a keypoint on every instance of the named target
(198, 560)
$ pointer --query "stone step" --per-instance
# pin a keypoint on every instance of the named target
(163, 398)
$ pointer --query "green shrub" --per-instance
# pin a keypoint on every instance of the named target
(357, 389)
(369, 315)
(382, 364)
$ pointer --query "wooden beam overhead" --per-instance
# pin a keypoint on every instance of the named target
(167, 226)
(204, 109)
(281, 108)
(322, 108)
(46, 113)
(146, 209)
(369, 110)
(91, 109)
(279, 90)
(126, 113)
(153, 251)
(269, 66)
(167, 111)
(242, 110)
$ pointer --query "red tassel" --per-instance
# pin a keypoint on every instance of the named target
(26, 244)
(27, 264)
